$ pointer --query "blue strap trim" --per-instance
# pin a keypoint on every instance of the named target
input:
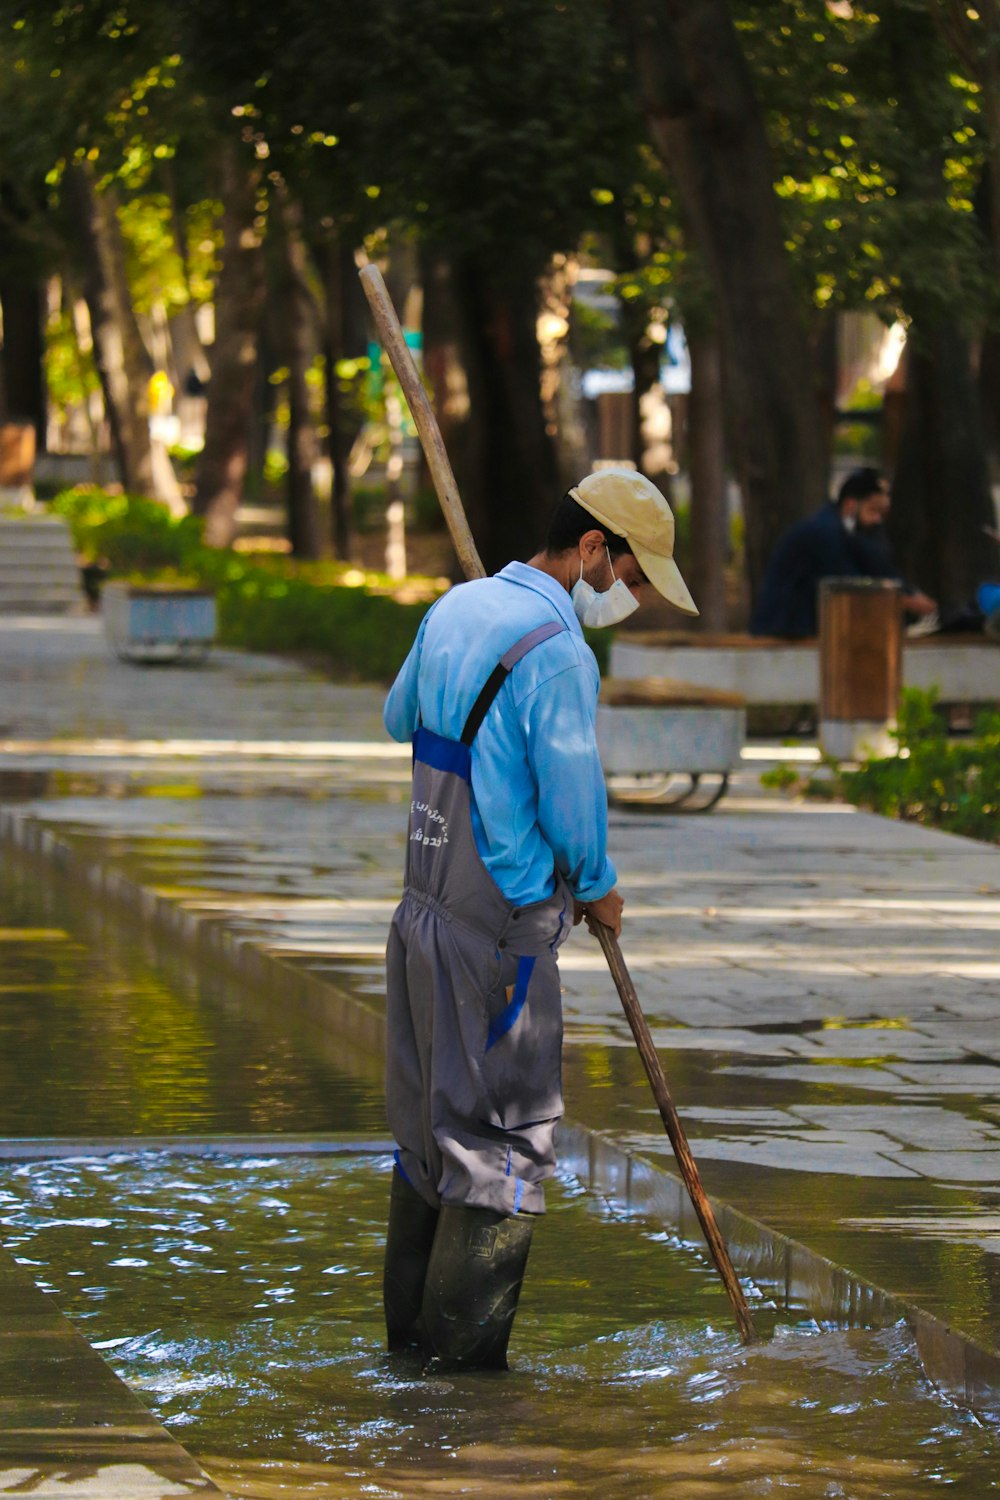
(501, 1024)
(528, 642)
(442, 754)
(399, 1166)
(555, 941)
(502, 670)
(518, 1193)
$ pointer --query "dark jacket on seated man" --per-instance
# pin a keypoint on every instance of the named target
(845, 539)
(817, 548)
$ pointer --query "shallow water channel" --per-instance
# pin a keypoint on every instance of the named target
(237, 1289)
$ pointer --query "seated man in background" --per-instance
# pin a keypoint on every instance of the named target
(844, 539)
(873, 550)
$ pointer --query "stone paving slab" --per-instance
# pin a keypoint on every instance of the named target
(823, 983)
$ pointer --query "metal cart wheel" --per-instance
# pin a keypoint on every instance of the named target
(674, 791)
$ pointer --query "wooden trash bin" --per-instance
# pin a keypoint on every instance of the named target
(861, 656)
(17, 458)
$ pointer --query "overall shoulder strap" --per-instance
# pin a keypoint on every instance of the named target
(502, 671)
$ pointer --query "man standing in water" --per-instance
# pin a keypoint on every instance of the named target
(506, 850)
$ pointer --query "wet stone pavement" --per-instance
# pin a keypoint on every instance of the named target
(823, 985)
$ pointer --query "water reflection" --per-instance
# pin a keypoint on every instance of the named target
(102, 1034)
(241, 1297)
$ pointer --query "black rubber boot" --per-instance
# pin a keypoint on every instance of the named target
(473, 1283)
(408, 1242)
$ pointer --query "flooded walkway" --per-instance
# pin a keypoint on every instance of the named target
(822, 984)
(239, 1298)
(209, 1214)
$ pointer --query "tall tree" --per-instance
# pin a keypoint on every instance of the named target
(698, 97)
(973, 34)
(296, 335)
(499, 110)
(23, 260)
(942, 495)
(880, 147)
(239, 303)
(337, 277)
(80, 88)
(123, 364)
(467, 125)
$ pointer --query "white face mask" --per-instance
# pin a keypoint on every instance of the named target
(609, 607)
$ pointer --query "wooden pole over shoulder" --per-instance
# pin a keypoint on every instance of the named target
(451, 504)
(423, 414)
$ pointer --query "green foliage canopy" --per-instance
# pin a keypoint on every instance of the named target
(880, 150)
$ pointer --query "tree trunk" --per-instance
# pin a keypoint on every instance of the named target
(562, 403)
(826, 364)
(239, 302)
(23, 391)
(698, 98)
(335, 274)
(189, 352)
(645, 359)
(23, 370)
(442, 353)
(509, 478)
(988, 383)
(296, 329)
(707, 468)
(941, 494)
(123, 365)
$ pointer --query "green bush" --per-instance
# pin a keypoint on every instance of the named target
(359, 634)
(781, 778)
(128, 532)
(954, 786)
(264, 603)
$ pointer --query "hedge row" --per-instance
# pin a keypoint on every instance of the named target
(350, 620)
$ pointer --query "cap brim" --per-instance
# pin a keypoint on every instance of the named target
(664, 574)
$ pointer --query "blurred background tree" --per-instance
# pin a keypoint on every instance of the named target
(556, 192)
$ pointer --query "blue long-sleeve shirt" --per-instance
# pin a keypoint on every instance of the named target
(538, 796)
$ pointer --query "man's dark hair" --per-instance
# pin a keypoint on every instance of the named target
(570, 522)
(859, 484)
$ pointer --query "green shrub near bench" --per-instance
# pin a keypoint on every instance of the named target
(945, 783)
(949, 784)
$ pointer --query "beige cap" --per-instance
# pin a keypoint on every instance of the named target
(630, 505)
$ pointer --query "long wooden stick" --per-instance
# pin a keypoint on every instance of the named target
(675, 1130)
(451, 503)
(423, 414)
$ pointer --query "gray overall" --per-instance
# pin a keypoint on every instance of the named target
(474, 1011)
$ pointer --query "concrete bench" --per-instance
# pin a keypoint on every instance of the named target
(963, 668)
(651, 730)
(158, 624)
